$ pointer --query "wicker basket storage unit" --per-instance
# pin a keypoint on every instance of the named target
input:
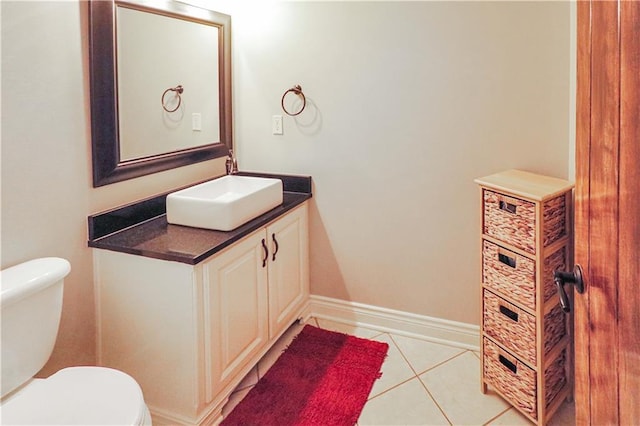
(526, 343)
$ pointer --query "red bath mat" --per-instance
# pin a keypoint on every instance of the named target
(323, 378)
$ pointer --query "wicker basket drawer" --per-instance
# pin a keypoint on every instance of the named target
(510, 326)
(513, 220)
(517, 382)
(509, 273)
(515, 329)
(511, 377)
(510, 220)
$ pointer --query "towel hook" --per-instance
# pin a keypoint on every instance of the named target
(178, 90)
(298, 91)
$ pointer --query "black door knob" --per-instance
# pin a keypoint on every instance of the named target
(568, 277)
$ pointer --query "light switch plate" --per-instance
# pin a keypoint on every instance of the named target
(196, 121)
(276, 124)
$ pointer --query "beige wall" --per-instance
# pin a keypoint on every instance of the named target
(46, 175)
(408, 102)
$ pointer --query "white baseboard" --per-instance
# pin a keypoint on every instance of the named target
(435, 330)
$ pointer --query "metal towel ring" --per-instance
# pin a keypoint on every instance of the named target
(178, 89)
(298, 91)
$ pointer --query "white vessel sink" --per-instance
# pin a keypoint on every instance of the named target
(225, 203)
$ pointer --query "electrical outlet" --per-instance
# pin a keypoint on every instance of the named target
(276, 124)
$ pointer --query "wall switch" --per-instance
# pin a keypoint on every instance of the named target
(276, 124)
(196, 121)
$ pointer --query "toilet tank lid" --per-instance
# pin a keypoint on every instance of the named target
(25, 279)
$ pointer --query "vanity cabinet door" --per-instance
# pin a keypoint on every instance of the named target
(235, 297)
(288, 268)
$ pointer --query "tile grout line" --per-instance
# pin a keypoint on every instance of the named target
(456, 356)
(434, 401)
(497, 416)
(397, 384)
(393, 387)
(443, 362)
(421, 382)
(377, 335)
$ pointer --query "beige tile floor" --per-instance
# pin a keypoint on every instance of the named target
(422, 383)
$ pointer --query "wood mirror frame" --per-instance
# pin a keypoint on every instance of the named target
(107, 165)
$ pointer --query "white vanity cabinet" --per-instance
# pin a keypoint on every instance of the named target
(189, 333)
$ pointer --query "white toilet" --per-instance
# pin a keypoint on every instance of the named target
(31, 304)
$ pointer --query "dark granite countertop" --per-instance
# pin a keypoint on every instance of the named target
(141, 228)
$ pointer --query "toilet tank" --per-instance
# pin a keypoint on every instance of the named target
(30, 308)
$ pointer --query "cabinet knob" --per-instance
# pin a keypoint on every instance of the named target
(568, 277)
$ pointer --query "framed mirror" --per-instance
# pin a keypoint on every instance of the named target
(160, 81)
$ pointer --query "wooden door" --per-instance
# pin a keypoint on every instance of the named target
(607, 315)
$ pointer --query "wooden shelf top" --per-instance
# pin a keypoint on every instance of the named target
(525, 184)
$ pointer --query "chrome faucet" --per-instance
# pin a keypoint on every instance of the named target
(231, 164)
